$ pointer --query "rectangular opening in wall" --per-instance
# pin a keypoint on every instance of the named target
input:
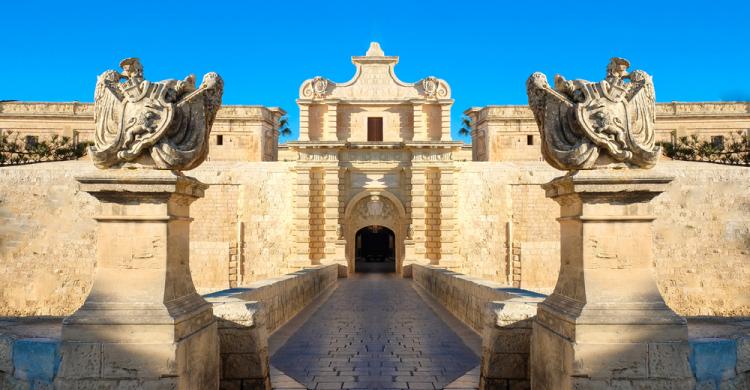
(530, 139)
(375, 129)
(718, 141)
(219, 139)
(31, 141)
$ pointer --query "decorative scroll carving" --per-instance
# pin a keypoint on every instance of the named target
(319, 87)
(430, 86)
(315, 88)
(375, 79)
(163, 125)
(578, 119)
(434, 88)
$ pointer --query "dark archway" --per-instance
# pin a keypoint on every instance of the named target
(375, 250)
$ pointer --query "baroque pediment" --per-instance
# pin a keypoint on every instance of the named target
(374, 80)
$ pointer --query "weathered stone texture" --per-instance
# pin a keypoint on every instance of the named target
(47, 235)
(701, 232)
(482, 221)
(246, 316)
(46, 239)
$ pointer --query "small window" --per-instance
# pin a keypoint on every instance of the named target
(530, 139)
(219, 139)
(375, 129)
(718, 141)
(31, 141)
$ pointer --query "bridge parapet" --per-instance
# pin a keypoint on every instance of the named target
(247, 315)
(502, 315)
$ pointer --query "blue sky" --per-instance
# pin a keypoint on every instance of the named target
(52, 51)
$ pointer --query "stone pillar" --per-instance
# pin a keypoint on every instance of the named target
(420, 124)
(606, 325)
(418, 215)
(142, 325)
(445, 121)
(304, 122)
(301, 256)
(448, 218)
(330, 122)
(332, 225)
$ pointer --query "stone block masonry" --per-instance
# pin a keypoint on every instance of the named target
(503, 316)
(47, 238)
(30, 350)
(700, 241)
(246, 316)
(432, 216)
(505, 231)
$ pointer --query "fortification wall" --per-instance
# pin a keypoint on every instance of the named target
(239, 233)
(507, 232)
(702, 232)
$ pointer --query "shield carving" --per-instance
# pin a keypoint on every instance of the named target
(145, 120)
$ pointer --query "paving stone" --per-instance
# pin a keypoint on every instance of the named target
(374, 332)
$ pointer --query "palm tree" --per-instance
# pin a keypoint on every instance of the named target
(284, 127)
(466, 126)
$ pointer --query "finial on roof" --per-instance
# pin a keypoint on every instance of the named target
(375, 50)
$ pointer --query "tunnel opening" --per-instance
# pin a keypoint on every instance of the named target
(375, 250)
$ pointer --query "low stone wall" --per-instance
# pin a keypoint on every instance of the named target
(466, 297)
(246, 316)
(719, 347)
(502, 315)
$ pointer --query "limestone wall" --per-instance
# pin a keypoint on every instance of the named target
(510, 133)
(239, 133)
(46, 240)
(702, 232)
(47, 234)
(506, 232)
(464, 296)
(284, 296)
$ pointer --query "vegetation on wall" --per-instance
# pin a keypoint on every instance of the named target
(284, 130)
(466, 125)
(718, 149)
(17, 150)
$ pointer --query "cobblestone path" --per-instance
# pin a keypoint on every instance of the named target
(374, 332)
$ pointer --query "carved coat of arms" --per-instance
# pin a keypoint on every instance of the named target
(585, 125)
(164, 124)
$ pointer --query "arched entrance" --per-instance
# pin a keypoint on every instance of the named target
(375, 250)
(379, 209)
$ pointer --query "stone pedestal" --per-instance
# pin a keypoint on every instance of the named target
(606, 324)
(142, 325)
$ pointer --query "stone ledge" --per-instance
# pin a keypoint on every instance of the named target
(247, 315)
(502, 315)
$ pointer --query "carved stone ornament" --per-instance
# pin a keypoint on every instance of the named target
(586, 125)
(375, 207)
(319, 86)
(434, 88)
(162, 125)
(430, 86)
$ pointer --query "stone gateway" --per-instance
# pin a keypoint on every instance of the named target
(559, 250)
